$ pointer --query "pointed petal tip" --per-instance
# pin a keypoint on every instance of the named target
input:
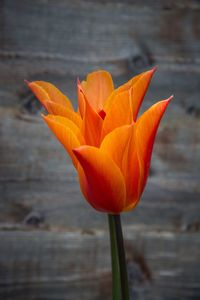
(48, 117)
(27, 82)
(79, 85)
(44, 117)
(151, 71)
(154, 69)
(169, 99)
(77, 151)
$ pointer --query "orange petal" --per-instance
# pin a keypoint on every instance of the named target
(101, 180)
(138, 86)
(97, 88)
(39, 92)
(81, 99)
(65, 132)
(46, 91)
(124, 87)
(120, 113)
(116, 143)
(131, 171)
(92, 125)
(139, 154)
(139, 90)
(146, 129)
(127, 85)
(68, 123)
(60, 110)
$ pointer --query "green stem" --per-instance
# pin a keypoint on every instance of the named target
(116, 284)
(122, 258)
(119, 268)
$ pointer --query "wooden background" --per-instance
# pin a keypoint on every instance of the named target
(53, 246)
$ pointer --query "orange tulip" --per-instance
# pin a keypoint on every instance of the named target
(109, 146)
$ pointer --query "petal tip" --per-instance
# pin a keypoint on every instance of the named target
(154, 69)
(166, 101)
(43, 116)
(47, 118)
(75, 151)
(78, 151)
(151, 72)
(27, 82)
(169, 99)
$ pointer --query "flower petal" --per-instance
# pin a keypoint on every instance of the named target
(139, 90)
(132, 174)
(46, 91)
(70, 124)
(138, 86)
(120, 113)
(101, 180)
(92, 124)
(60, 110)
(81, 99)
(97, 88)
(116, 143)
(146, 129)
(66, 132)
(136, 167)
(39, 92)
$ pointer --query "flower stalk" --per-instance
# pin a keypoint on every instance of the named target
(116, 281)
(120, 286)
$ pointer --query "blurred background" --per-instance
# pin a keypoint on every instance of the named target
(53, 245)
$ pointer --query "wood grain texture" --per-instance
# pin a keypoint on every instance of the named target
(51, 265)
(53, 245)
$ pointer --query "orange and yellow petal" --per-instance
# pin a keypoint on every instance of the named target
(97, 88)
(132, 173)
(120, 113)
(139, 154)
(101, 180)
(146, 129)
(139, 90)
(81, 100)
(92, 125)
(39, 92)
(66, 132)
(116, 144)
(60, 110)
(46, 91)
(70, 124)
(124, 87)
(137, 86)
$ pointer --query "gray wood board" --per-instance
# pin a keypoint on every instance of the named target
(67, 264)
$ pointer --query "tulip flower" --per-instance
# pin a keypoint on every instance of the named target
(110, 146)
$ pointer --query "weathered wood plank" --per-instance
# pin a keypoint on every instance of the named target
(61, 204)
(115, 38)
(53, 265)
